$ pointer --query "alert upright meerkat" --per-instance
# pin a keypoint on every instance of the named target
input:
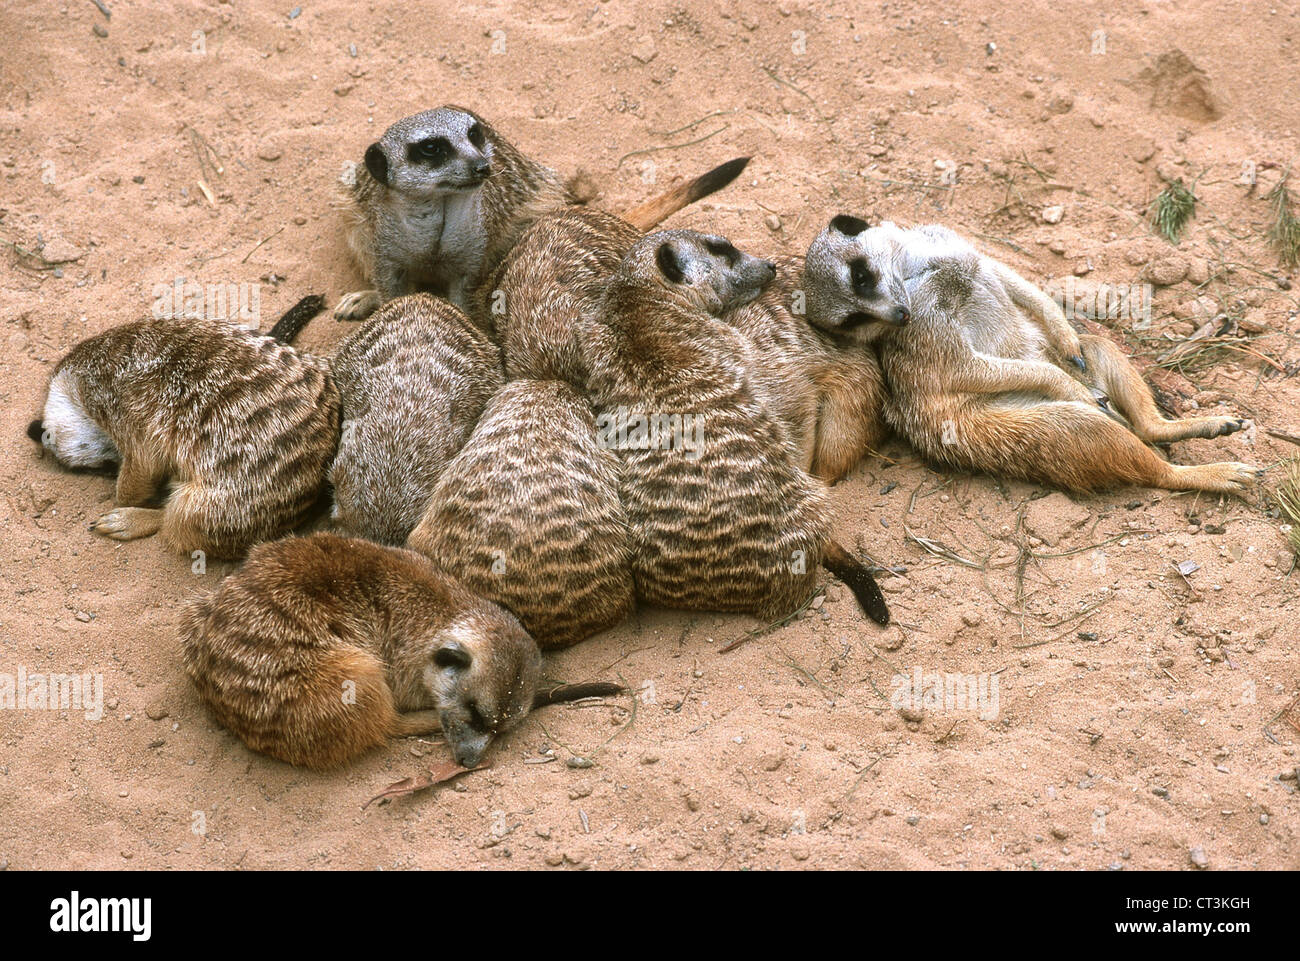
(528, 515)
(829, 394)
(978, 384)
(442, 196)
(721, 516)
(238, 427)
(413, 381)
(320, 648)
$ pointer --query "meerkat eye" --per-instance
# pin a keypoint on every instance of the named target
(434, 151)
(451, 655)
(475, 135)
(724, 249)
(669, 263)
(862, 277)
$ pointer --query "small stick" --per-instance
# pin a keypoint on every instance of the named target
(259, 243)
(1289, 438)
(671, 146)
(108, 15)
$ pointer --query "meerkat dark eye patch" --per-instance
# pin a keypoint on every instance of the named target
(475, 135)
(848, 225)
(451, 655)
(862, 278)
(669, 263)
(724, 249)
(377, 163)
(434, 151)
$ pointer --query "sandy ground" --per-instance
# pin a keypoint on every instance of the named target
(1137, 711)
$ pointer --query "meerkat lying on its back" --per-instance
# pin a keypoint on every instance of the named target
(979, 384)
(322, 647)
(721, 518)
(829, 395)
(239, 427)
(528, 515)
(413, 382)
(442, 197)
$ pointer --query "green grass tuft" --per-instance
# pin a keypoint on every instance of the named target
(1172, 209)
(1285, 232)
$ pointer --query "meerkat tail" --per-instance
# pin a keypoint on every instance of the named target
(859, 580)
(657, 209)
(575, 692)
(296, 317)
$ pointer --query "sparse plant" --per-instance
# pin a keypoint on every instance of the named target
(1172, 209)
(1285, 232)
(1288, 498)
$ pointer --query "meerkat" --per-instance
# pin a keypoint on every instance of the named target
(984, 371)
(413, 381)
(829, 395)
(237, 429)
(721, 518)
(442, 196)
(320, 648)
(528, 515)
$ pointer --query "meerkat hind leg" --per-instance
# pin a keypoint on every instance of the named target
(357, 305)
(1115, 374)
(129, 523)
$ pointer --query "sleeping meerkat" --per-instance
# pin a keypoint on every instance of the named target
(442, 196)
(236, 427)
(320, 648)
(537, 300)
(413, 381)
(978, 384)
(721, 518)
(829, 395)
(528, 515)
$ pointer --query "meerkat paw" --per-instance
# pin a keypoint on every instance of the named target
(357, 305)
(128, 523)
(1225, 478)
(1222, 426)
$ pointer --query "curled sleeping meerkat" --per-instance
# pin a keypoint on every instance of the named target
(721, 518)
(439, 200)
(528, 515)
(537, 299)
(320, 648)
(413, 381)
(979, 384)
(234, 429)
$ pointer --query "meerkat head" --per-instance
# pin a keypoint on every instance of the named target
(706, 270)
(483, 673)
(433, 152)
(851, 282)
(67, 431)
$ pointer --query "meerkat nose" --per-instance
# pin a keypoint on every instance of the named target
(482, 168)
(901, 316)
(36, 431)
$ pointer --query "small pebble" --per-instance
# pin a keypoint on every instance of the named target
(1199, 858)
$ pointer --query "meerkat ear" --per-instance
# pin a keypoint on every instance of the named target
(848, 225)
(452, 654)
(377, 163)
(669, 264)
(36, 431)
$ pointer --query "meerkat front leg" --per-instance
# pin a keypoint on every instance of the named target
(138, 480)
(1051, 319)
(986, 374)
(360, 304)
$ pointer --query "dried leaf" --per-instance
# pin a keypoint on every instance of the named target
(438, 774)
(1188, 567)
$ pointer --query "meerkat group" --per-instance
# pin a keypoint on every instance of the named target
(550, 414)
